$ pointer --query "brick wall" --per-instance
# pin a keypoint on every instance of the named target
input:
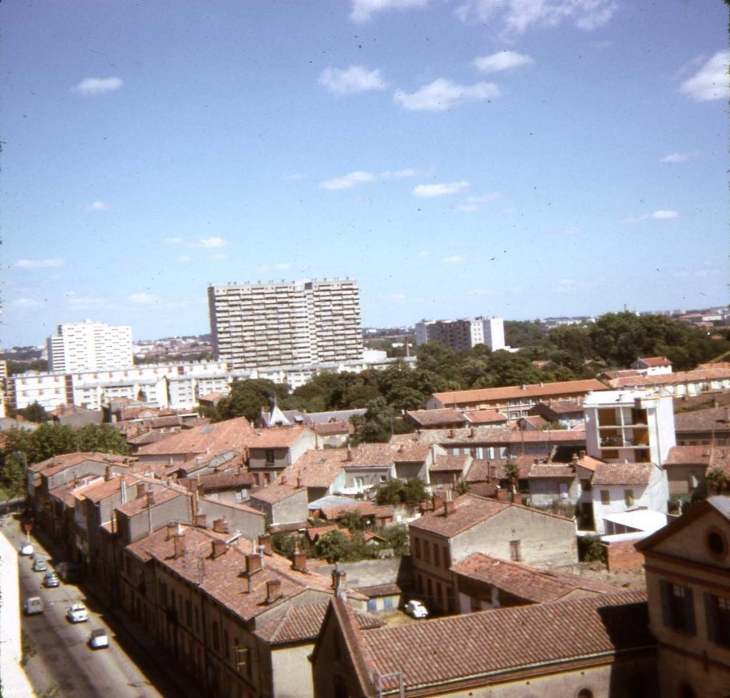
(623, 556)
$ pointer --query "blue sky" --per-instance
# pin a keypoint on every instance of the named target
(517, 158)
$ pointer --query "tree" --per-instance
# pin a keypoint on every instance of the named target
(46, 441)
(35, 413)
(353, 521)
(512, 471)
(283, 543)
(389, 493)
(98, 437)
(397, 537)
(247, 397)
(396, 492)
(335, 547)
(414, 492)
(376, 425)
(12, 475)
(716, 481)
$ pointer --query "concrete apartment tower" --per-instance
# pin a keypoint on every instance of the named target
(462, 335)
(286, 324)
(87, 346)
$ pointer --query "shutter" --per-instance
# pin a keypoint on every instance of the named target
(711, 616)
(665, 591)
(689, 610)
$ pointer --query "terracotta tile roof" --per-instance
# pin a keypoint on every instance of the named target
(427, 418)
(654, 361)
(301, 623)
(689, 455)
(479, 470)
(381, 590)
(720, 458)
(700, 374)
(511, 392)
(562, 406)
(562, 470)
(450, 463)
(278, 437)
(161, 495)
(107, 488)
(333, 428)
(620, 373)
(588, 462)
(369, 455)
(535, 420)
(623, 473)
(221, 577)
(527, 582)
(363, 508)
(232, 434)
(216, 481)
(316, 532)
(715, 419)
(316, 468)
(434, 652)
(277, 492)
(469, 510)
(485, 417)
(478, 435)
(56, 464)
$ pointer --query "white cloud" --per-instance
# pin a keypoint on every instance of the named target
(679, 157)
(97, 206)
(210, 242)
(354, 79)
(664, 215)
(467, 208)
(428, 191)
(502, 60)
(442, 95)
(711, 82)
(661, 215)
(26, 303)
(363, 10)
(39, 263)
(98, 86)
(454, 259)
(423, 253)
(144, 299)
(348, 181)
(75, 301)
(516, 16)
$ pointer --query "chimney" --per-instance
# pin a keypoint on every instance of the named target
(348, 457)
(581, 454)
(438, 500)
(253, 564)
(220, 526)
(524, 387)
(171, 528)
(299, 560)
(400, 448)
(179, 543)
(282, 479)
(448, 504)
(218, 547)
(299, 482)
(265, 543)
(140, 490)
(339, 579)
(150, 498)
(108, 475)
(273, 590)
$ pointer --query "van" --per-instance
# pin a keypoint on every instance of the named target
(33, 605)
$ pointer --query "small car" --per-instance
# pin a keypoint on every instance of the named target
(33, 605)
(40, 565)
(77, 613)
(26, 549)
(415, 609)
(98, 639)
(51, 580)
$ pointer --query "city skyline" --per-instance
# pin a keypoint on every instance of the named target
(510, 159)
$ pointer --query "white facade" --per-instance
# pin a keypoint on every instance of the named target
(302, 322)
(462, 335)
(86, 346)
(629, 426)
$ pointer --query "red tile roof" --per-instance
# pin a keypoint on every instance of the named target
(433, 652)
(450, 463)
(233, 434)
(561, 470)
(715, 419)
(689, 455)
(446, 416)
(529, 583)
(511, 392)
(654, 361)
(623, 473)
(469, 510)
(277, 492)
(278, 437)
(478, 435)
(700, 374)
(485, 417)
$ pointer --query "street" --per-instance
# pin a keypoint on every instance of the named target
(60, 662)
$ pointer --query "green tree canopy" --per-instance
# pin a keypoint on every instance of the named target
(247, 397)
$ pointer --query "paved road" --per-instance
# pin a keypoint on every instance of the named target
(63, 661)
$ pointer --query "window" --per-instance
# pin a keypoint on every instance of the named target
(515, 552)
(383, 478)
(269, 456)
(426, 551)
(678, 610)
(447, 558)
(629, 497)
(436, 555)
(372, 605)
(717, 613)
(585, 485)
(716, 543)
(417, 546)
(605, 497)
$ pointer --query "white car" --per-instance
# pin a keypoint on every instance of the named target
(415, 609)
(77, 613)
(98, 639)
(26, 549)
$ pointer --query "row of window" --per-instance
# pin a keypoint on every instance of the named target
(431, 553)
(628, 497)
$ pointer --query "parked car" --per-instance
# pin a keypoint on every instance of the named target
(51, 580)
(415, 609)
(33, 605)
(26, 549)
(77, 613)
(98, 639)
(40, 565)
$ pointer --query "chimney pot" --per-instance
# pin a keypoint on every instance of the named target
(299, 560)
(253, 564)
(273, 590)
(265, 543)
(218, 547)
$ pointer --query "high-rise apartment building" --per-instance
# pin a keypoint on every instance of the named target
(86, 346)
(290, 323)
(462, 335)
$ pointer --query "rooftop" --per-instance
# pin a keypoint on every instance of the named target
(232, 434)
(623, 473)
(535, 390)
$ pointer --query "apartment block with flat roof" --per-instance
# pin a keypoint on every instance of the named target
(289, 323)
(87, 346)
